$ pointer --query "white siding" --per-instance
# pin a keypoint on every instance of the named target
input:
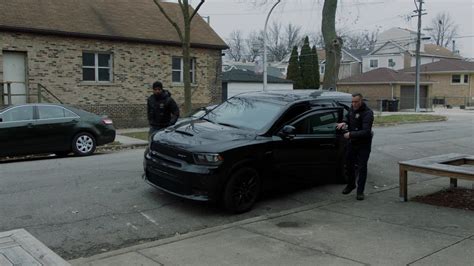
(382, 62)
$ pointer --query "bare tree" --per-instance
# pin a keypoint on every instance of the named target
(293, 37)
(184, 34)
(254, 46)
(281, 41)
(317, 38)
(443, 29)
(236, 45)
(332, 44)
(361, 40)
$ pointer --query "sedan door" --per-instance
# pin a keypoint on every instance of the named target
(55, 127)
(313, 149)
(17, 135)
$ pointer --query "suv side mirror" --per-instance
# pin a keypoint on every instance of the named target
(287, 132)
(1, 119)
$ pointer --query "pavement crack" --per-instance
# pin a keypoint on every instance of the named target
(441, 249)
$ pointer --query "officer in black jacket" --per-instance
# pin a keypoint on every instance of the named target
(162, 110)
(358, 130)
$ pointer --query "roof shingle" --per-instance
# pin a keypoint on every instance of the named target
(382, 76)
(134, 20)
(444, 65)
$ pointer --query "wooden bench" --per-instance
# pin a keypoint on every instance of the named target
(455, 166)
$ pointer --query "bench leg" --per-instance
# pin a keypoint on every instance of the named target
(453, 182)
(403, 184)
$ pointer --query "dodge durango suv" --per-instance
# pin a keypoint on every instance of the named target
(241, 146)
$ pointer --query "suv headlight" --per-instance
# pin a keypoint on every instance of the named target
(208, 158)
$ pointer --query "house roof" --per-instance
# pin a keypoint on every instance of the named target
(240, 75)
(128, 20)
(357, 53)
(382, 76)
(444, 66)
(272, 71)
(436, 50)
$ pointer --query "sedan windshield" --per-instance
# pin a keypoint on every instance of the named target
(242, 112)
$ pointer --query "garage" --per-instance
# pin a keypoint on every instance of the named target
(407, 97)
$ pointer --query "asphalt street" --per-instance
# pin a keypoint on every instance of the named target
(83, 206)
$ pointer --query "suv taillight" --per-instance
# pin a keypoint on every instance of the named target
(107, 121)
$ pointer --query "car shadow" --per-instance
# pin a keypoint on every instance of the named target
(41, 157)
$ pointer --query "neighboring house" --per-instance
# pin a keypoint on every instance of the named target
(252, 66)
(453, 81)
(236, 81)
(103, 55)
(351, 62)
(396, 49)
(388, 84)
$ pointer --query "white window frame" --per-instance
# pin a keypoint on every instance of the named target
(192, 70)
(462, 79)
(375, 61)
(96, 67)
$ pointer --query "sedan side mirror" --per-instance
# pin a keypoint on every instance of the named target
(287, 132)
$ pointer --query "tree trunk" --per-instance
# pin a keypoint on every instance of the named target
(332, 45)
(186, 64)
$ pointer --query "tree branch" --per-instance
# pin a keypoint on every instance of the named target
(196, 9)
(173, 23)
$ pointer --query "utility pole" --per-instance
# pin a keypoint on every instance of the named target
(265, 47)
(419, 10)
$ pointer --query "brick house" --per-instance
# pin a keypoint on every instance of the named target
(103, 55)
(453, 81)
(386, 84)
(445, 82)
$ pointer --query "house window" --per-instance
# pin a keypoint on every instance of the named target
(321, 69)
(374, 63)
(96, 67)
(466, 79)
(391, 63)
(177, 69)
(456, 79)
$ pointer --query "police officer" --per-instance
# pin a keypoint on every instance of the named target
(162, 110)
(358, 132)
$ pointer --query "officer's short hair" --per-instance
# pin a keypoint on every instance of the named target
(357, 94)
(157, 84)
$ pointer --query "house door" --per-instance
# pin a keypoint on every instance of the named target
(407, 97)
(14, 71)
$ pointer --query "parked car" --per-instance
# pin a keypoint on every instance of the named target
(51, 128)
(234, 151)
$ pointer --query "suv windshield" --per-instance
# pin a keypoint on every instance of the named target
(243, 112)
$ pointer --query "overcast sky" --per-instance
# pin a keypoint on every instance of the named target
(353, 15)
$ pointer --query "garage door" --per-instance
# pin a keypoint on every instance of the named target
(407, 97)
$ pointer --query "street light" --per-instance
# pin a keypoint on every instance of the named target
(265, 47)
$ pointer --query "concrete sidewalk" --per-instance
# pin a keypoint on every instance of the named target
(380, 230)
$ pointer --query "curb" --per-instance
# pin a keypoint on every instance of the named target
(178, 237)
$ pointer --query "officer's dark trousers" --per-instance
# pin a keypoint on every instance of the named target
(357, 158)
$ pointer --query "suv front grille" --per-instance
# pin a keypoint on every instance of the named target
(172, 152)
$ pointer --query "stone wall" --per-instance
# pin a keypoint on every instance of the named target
(56, 63)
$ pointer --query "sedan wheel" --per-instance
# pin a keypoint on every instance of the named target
(242, 190)
(83, 144)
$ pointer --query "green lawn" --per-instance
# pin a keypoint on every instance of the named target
(406, 118)
(379, 121)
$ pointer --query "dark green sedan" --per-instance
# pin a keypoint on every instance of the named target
(51, 128)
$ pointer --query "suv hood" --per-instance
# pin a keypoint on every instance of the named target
(196, 134)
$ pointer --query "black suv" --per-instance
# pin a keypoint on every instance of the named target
(245, 143)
